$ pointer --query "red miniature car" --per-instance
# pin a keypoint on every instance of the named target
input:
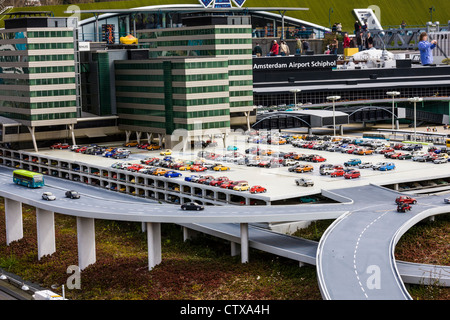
(60, 146)
(405, 199)
(318, 159)
(337, 173)
(198, 169)
(352, 174)
(257, 189)
(218, 181)
(403, 207)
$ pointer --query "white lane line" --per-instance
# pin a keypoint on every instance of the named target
(356, 249)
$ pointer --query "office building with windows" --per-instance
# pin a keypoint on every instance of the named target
(37, 72)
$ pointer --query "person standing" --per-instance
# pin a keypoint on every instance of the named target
(257, 51)
(275, 50)
(425, 48)
(369, 41)
(334, 28)
(359, 41)
(305, 45)
(357, 27)
(339, 27)
(298, 46)
(346, 41)
(335, 45)
(284, 49)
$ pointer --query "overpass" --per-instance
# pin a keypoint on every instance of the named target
(354, 217)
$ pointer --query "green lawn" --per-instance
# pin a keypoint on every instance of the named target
(414, 12)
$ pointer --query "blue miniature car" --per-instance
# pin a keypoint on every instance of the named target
(190, 178)
(232, 148)
(387, 167)
(172, 174)
(352, 162)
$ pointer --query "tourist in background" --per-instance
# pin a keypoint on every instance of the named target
(346, 41)
(284, 49)
(257, 51)
(425, 48)
(298, 46)
(275, 49)
(357, 27)
(369, 41)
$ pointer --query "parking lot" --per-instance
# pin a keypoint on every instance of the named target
(279, 182)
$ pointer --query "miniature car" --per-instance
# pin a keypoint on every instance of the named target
(153, 147)
(192, 206)
(166, 152)
(318, 159)
(447, 200)
(232, 148)
(243, 186)
(304, 182)
(304, 168)
(258, 189)
(337, 173)
(352, 162)
(405, 199)
(72, 194)
(365, 165)
(221, 168)
(403, 207)
(352, 174)
(387, 167)
(60, 146)
(48, 196)
(172, 174)
(440, 160)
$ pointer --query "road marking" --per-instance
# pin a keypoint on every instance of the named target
(356, 249)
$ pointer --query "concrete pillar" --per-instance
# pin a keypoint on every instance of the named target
(244, 242)
(189, 234)
(234, 249)
(86, 242)
(154, 244)
(431, 219)
(45, 223)
(127, 135)
(72, 133)
(341, 130)
(396, 186)
(138, 137)
(160, 137)
(13, 220)
(149, 137)
(310, 131)
(397, 125)
(33, 138)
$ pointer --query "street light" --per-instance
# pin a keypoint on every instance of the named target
(334, 99)
(431, 13)
(295, 91)
(393, 94)
(415, 100)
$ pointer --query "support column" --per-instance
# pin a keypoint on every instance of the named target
(13, 220)
(189, 234)
(45, 223)
(33, 138)
(86, 242)
(234, 249)
(138, 136)
(341, 130)
(154, 244)
(127, 134)
(72, 133)
(160, 139)
(149, 137)
(244, 242)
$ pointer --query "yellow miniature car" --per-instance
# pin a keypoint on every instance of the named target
(166, 152)
(129, 39)
(242, 187)
(221, 168)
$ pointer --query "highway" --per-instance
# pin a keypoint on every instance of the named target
(358, 245)
(355, 258)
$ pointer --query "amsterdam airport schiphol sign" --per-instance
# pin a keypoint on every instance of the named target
(221, 3)
(316, 62)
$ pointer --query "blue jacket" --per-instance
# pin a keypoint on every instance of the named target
(426, 55)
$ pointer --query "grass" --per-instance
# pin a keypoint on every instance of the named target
(414, 12)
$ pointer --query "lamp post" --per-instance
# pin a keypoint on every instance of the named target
(295, 91)
(415, 100)
(431, 13)
(334, 99)
(393, 94)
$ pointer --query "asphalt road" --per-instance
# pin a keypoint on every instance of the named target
(355, 257)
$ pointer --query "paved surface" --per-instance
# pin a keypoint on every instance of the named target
(360, 245)
(305, 251)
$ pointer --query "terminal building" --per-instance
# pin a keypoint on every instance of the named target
(189, 68)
